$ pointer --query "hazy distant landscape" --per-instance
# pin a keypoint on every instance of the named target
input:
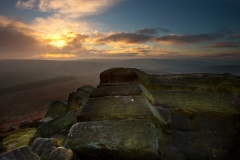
(15, 72)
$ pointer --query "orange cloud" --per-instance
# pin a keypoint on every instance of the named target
(58, 55)
(56, 25)
(69, 8)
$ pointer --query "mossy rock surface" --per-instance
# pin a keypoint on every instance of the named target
(76, 99)
(56, 108)
(217, 83)
(60, 124)
(18, 139)
(198, 102)
(118, 108)
(87, 89)
(133, 139)
(125, 89)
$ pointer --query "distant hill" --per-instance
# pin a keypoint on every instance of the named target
(36, 84)
(231, 69)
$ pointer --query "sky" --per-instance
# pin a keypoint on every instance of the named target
(85, 29)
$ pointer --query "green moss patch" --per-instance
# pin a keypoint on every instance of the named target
(17, 139)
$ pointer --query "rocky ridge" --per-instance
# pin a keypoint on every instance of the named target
(133, 115)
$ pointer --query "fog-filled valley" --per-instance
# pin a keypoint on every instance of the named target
(15, 72)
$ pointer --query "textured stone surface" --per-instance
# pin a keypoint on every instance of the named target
(125, 139)
(43, 147)
(197, 102)
(59, 124)
(22, 153)
(24, 124)
(118, 75)
(202, 145)
(55, 109)
(61, 153)
(75, 100)
(117, 108)
(201, 82)
(181, 123)
(87, 89)
(117, 90)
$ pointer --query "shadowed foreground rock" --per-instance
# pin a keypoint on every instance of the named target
(22, 153)
(125, 139)
(43, 147)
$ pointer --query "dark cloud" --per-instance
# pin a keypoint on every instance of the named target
(128, 38)
(225, 31)
(14, 41)
(223, 55)
(163, 30)
(77, 41)
(181, 39)
(224, 45)
(151, 31)
(235, 36)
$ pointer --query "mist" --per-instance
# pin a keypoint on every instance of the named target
(14, 72)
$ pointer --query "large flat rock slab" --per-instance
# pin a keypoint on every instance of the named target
(200, 82)
(118, 75)
(124, 89)
(198, 102)
(117, 108)
(132, 139)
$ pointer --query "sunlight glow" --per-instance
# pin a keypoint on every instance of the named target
(58, 43)
(52, 55)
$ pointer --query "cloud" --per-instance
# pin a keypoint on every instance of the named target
(56, 25)
(16, 44)
(13, 40)
(224, 45)
(26, 4)
(187, 39)
(69, 8)
(124, 38)
(151, 31)
(235, 36)
(223, 55)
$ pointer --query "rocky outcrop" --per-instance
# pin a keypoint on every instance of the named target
(55, 109)
(22, 153)
(132, 115)
(192, 116)
(117, 121)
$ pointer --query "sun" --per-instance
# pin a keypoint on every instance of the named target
(58, 43)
